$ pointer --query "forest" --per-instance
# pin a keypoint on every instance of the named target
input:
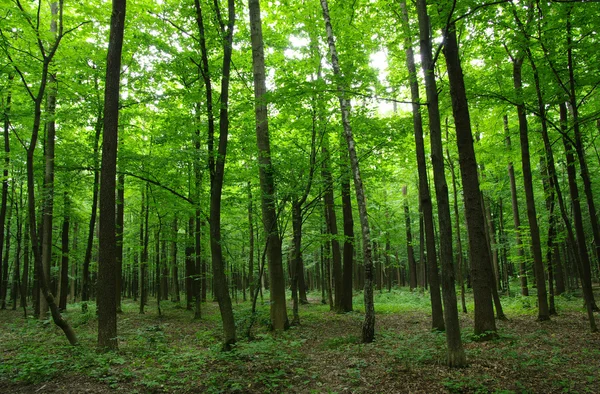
(300, 196)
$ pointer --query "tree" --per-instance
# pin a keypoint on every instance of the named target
(217, 163)
(437, 317)
(47, 54)
(279, 319)
(368, 329)
(456, 355)
(481, 270)
(107, 265)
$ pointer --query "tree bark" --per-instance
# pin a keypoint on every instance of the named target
(5, 172)
(348, 249)
(368, 330)
(536, 249)
(176, 297)
(31, 204)
(279, 319)
(516, 217)
(217, 167)
(144, 249)
(64, 268)
(581, 258)
(412, 264)
(85, 290)
(252, 279)
(48, 189)
(119, 237)
(579, 148)
(456, 354)
(481, 270)
(107, 262)
(332, 230)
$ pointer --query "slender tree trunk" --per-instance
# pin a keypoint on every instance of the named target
(368, 331)
(332, 230)
(459, 251)
(279, 319)
(579, 148)
(119, 223)
(5, 263)
(85, 291)
(174, 267)
(31, 204)
(348, 251)
(48, 190)
(64, 268)
(543, 311)
(144, 247)
(16, 285)
(296, 258)
(189, 265)
(550, 205)
(25, 278)
(412, 265)
(220, 280)
(516, 217)
(5, 180)
(485, 324)
(582, 258)
(107, 261)
(456, 354)
(252, 280)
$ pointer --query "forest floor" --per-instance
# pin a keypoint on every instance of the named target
(174, 353)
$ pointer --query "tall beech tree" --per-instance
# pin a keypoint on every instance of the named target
(481, 269)
(107, 262)
(437, 317)
(46, 55)
(279, 318)
(536, 247)
(368, 329)
(216, 161)
(456, 355)
(48, 189)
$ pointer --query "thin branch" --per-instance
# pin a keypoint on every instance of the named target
(375, 97)
(477, 8)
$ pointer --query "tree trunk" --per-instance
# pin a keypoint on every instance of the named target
(31, 204)
(252, 279)
(216, 163)
(25, 278)
(85, 290)
(189, 265)
(5, 178)
(368, 331)
(456, 355)
(16, 285)
(536, 249)
(412, 265)
(107, 259)
(579, 148)
(174, 268)
(516, 218)
(459, 251)
(144, 248)
(48, 189)
(279, 319)
(582, 260)
(481, 270)
(119, 223)
(348, 251)
(64, 268)
(332, 230)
